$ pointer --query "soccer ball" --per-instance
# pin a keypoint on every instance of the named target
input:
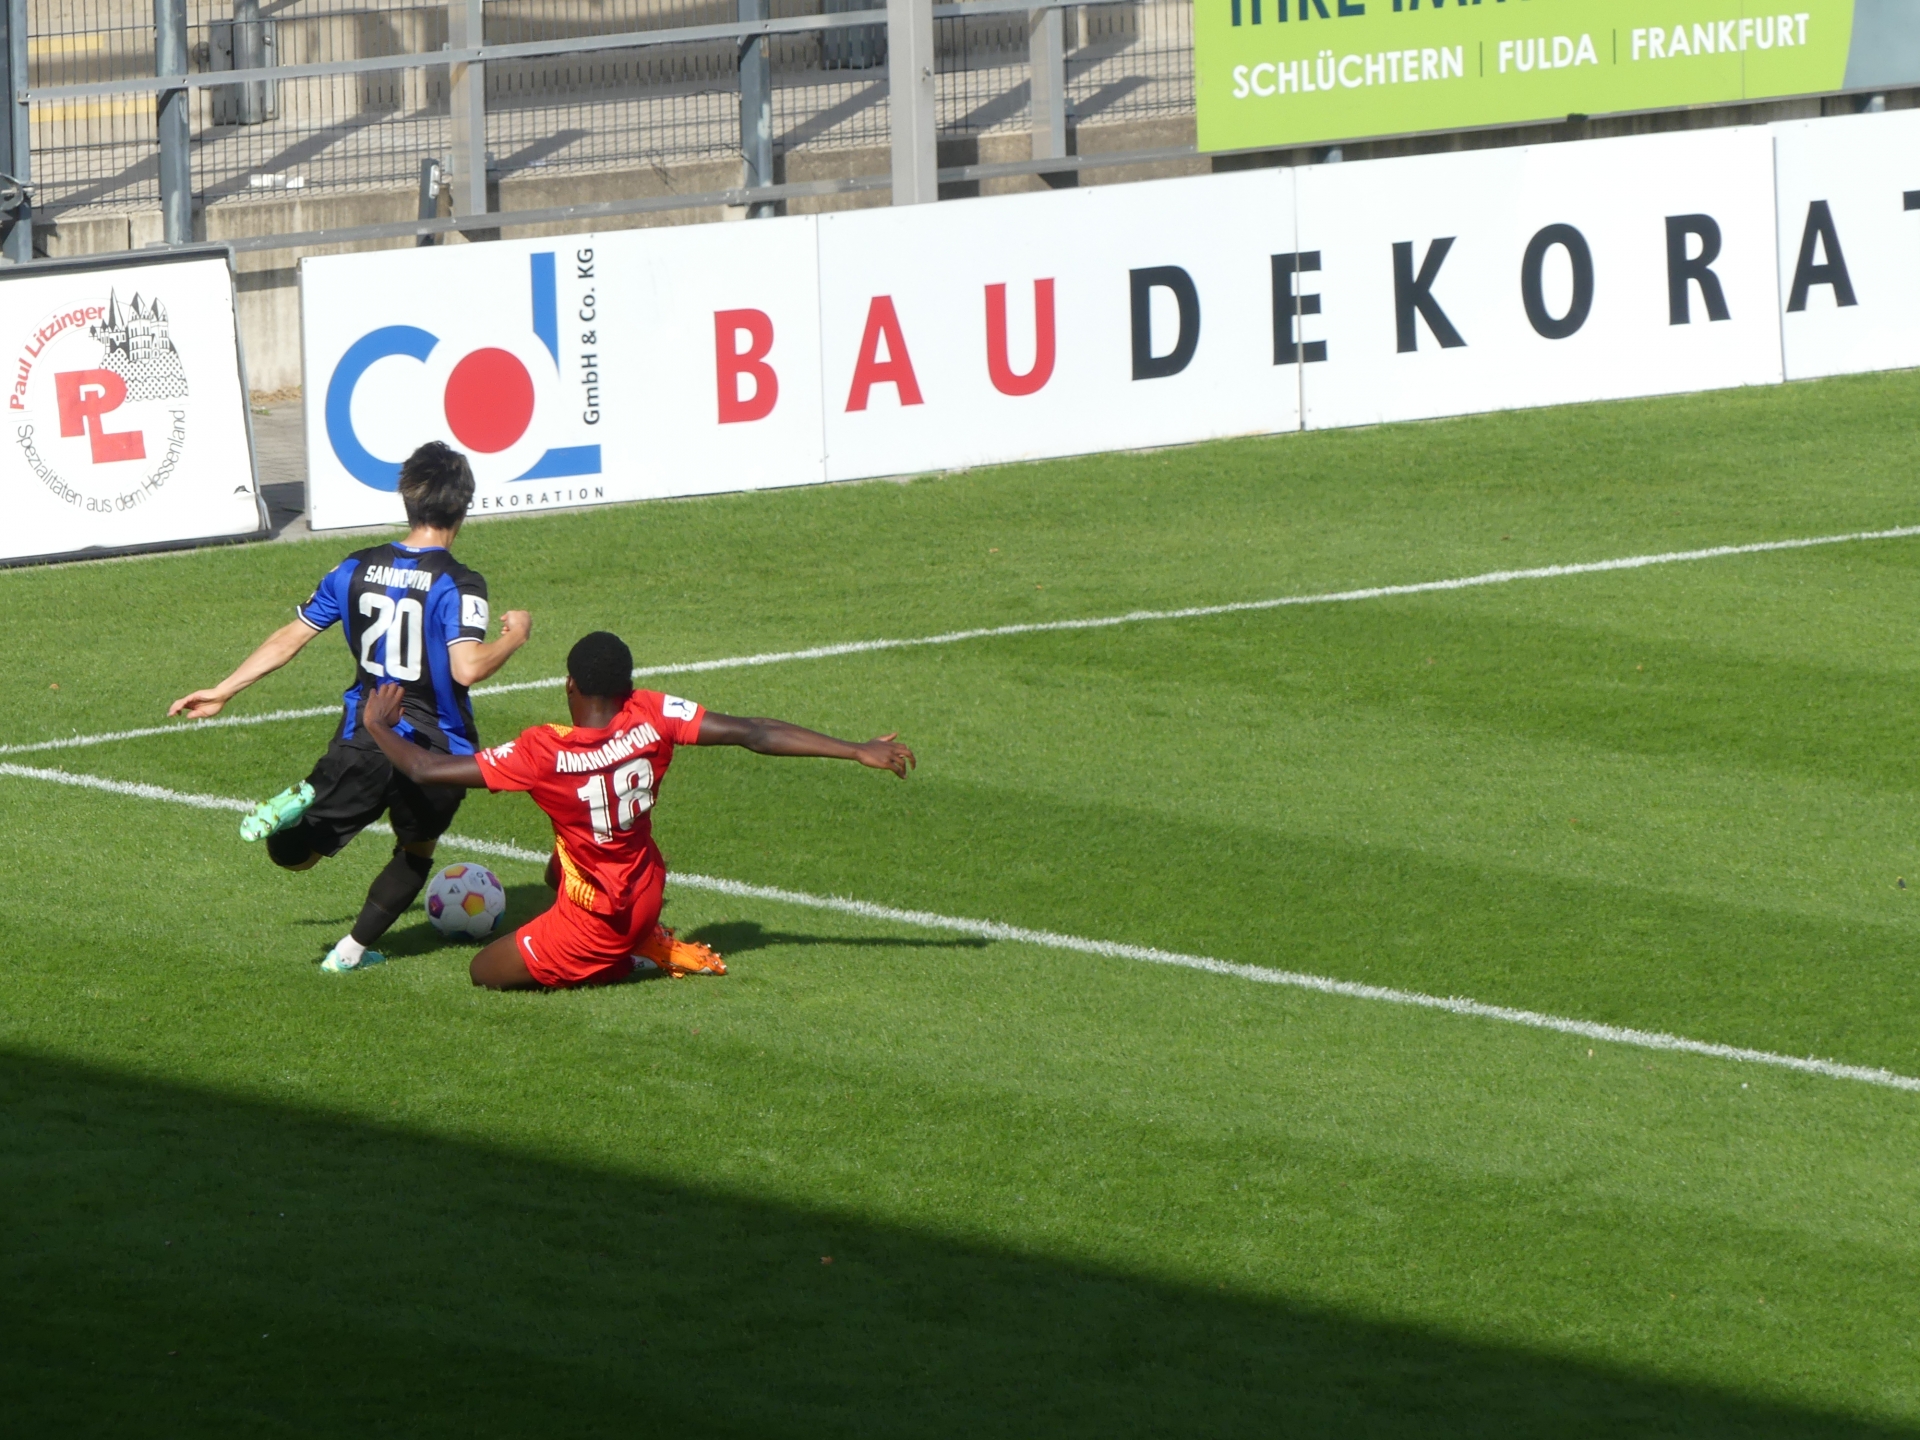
(465, 902)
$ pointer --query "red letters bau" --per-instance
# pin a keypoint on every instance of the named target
(883, 357)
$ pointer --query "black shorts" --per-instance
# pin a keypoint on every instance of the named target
(353, 785)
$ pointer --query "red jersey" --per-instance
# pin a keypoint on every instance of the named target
(598, 787)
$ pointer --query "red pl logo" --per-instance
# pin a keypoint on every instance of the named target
(86, 396)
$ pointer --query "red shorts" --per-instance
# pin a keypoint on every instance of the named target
(568, 946)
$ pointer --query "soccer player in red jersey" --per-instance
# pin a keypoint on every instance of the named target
(597, 779)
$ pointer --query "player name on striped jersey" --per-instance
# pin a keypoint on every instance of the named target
(405, 579)
(574, 762)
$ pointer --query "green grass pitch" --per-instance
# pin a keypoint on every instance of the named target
(884, 1181)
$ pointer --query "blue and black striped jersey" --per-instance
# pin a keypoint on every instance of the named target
(402, 610)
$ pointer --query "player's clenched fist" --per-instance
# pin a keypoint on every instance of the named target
(517, 626)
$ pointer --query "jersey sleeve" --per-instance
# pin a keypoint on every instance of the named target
(515, 765)
(466, 619)
(680, 720)
(328, 603)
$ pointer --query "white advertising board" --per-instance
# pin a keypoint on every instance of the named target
(1052, 324)
(782, 352)
(571, 371)
(1541, 275)
(126, 407)
(1849, 220)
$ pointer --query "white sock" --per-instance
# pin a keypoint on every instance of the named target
(351, 950)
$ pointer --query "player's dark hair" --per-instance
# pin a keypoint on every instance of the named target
(436, 485)
(601, 665)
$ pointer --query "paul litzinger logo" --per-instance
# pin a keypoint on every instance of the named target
(97, 404)
(495, 391)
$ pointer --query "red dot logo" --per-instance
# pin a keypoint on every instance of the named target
(489, 401)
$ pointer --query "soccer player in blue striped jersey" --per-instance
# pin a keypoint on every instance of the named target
(412, 615)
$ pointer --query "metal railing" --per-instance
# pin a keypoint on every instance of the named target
(345, 97)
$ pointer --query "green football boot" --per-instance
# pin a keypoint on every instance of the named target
(338, 964)
(270, 817)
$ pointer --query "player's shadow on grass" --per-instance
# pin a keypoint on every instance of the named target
(182, 1261)
(413, 934)
(737, 937)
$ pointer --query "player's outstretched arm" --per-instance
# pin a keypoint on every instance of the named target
(473, 663)
(777, 737)
(276, 650)
(423, 767)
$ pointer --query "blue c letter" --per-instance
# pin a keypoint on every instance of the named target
(367, 468)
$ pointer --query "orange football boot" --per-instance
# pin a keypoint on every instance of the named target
(680, 957)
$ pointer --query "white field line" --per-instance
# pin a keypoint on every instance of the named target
(1038, 627)
(1107, 949)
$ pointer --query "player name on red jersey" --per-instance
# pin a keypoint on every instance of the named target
(576, 762)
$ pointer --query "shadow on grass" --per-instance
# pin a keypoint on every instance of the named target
(736, 937)
(414, 935)
(179, 1262)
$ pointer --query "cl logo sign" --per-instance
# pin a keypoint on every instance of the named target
(487, 398)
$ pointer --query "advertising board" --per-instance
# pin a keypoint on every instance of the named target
(1849, 218)
(1299, 72)
(571, 371)
(682, 361)
(126, 407)
(1505, 278)
(891, 341)
(1052, 324)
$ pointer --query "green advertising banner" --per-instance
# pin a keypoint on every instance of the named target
(1296, 72)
